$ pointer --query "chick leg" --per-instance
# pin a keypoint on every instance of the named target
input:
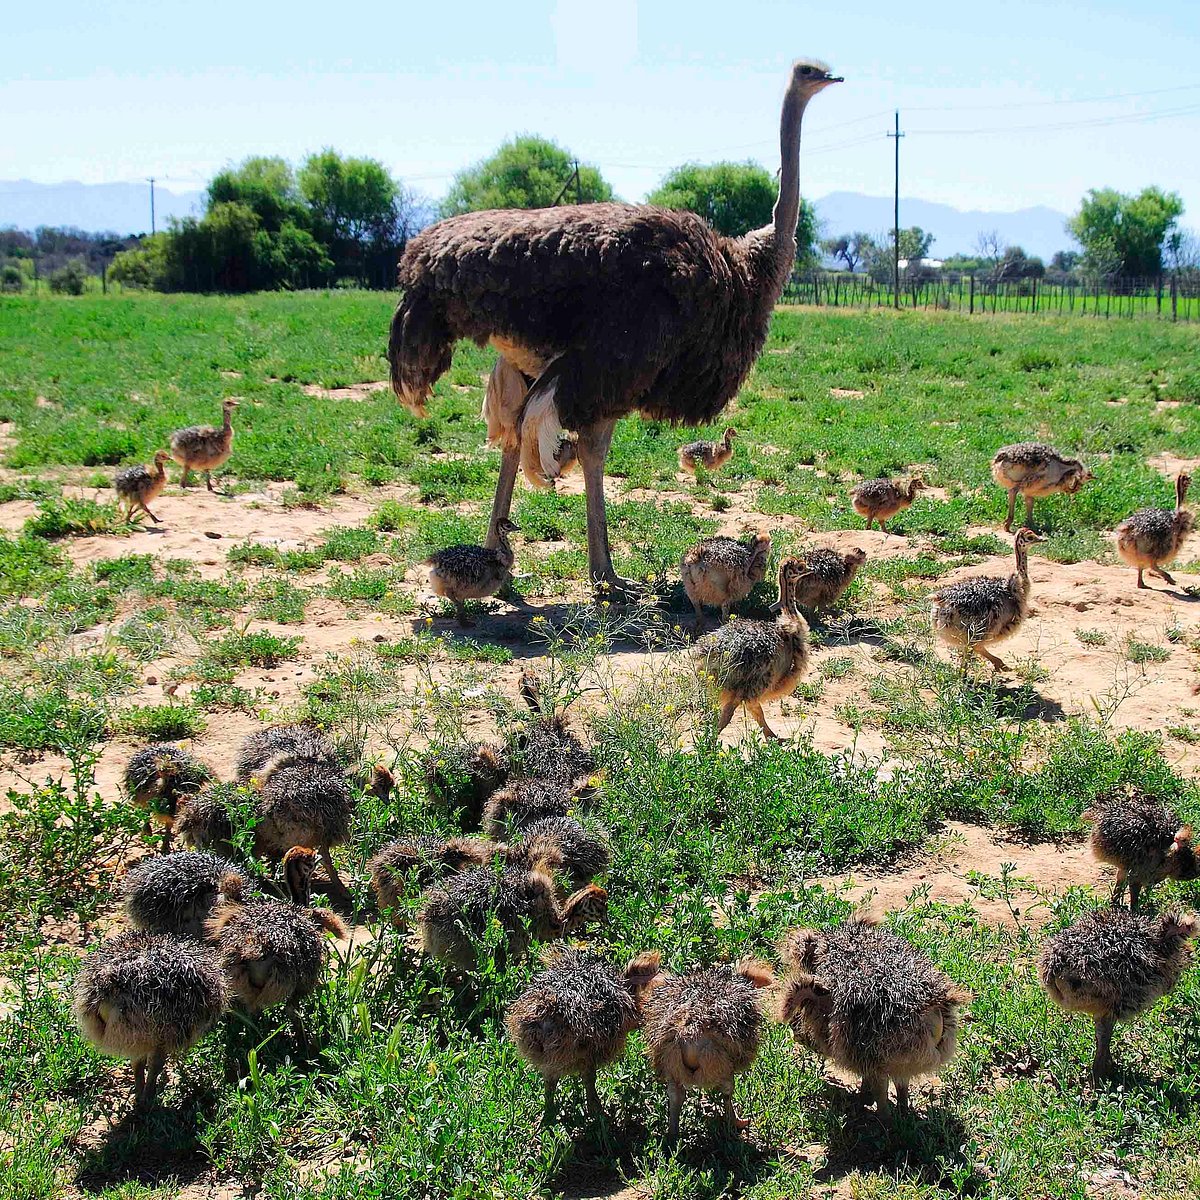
(298, 1028)
(699, 616)
(674, 1106)
(549, 1109)
(186, 477)
(595, 1108)
(1163, 575)
(1119, 885)
(460, 610)
(883, 1106)
(1103, 1066)
(727, 711)
(1012, 508)
(208, 481)
(1135, 890)
(1141, 582)
(998, 663)
(902, 1095)
(139, 1081)
(154, 1070)
(335, 880)
(756, 711)
(150, 515)
(736, 1124)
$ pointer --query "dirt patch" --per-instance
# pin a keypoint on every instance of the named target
(847, 393)
(356, 391)
(1171, 464)
(964, 864)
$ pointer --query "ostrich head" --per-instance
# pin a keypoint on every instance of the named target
(810, 76)
(855, 558)
(298, 866)
(504, 527)
(229, 405)
(915, 486)
(161, 456)
(730, 434)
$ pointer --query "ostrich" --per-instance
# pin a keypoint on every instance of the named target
(599, 310)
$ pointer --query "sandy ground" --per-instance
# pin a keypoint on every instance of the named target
(201, 528)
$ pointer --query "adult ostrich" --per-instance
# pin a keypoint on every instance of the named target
(597, 311)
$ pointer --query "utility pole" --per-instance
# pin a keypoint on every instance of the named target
(896, 218)
(151, 182)
(578, 185)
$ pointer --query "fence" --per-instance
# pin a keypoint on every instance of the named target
(1169, 297)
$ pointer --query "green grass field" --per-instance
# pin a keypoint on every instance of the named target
(111, 636)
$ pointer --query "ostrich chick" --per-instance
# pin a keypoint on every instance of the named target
(203, 447)
(528, 800)
(300, 741)
(872, 1003)
(972, 614)
(455, 917)
(138, 487)
(146, 996)
(419, 861)
(701, 1029)
(205, 821)
(462, 573)
(1144, 840)
(303, 802)
(158, 778)
(826, 576)
(463, 776)
(709, 455)
(574, 1018)
(1152, 537)
(1112, 965)
(754, 661)
(177, 893)
(881, 499)
(1033, 470)
(273, 951)
(720, 571)
(545, 747)
(564, 844)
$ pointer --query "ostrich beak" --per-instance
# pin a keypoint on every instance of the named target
(835, 79)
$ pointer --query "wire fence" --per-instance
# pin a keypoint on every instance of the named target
(1167, 297)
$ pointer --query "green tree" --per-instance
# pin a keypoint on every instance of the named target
(357, 210)
(734, 198)
(528, 172)
(71, 278)
(265, 185)
(1125, 234)
(851, 248)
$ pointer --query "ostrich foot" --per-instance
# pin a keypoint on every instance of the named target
(1163, 575)
(617, 590)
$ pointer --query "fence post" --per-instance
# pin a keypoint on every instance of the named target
(971, 309)
(1174, 300)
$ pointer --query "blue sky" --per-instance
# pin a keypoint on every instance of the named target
(1006, 105)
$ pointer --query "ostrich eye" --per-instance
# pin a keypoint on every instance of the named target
(806, 70)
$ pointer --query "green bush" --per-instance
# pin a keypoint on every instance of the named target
(70, 279)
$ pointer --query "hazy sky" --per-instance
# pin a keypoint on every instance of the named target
(1005, 105)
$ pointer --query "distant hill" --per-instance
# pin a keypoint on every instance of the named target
(122, 208)
(1039, 231)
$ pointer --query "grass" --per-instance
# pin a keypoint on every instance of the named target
(411, 1088)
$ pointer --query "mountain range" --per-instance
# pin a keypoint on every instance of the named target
(125, 208)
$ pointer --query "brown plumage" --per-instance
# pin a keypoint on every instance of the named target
(456, 915)
(205, 821)
(720, 571)
(273, 951)
(139, 487)
(303, 801)
(462, 573)
(709, 455)
(755, 661)
(158, 778)
(825, 577)
(1152, 537)
(299, 740)
(544, 746)
(422, 859)
(561, 844)
(203, 447)
(145, 997)
(1112, 965)
(1033, 470)
(177, 893)
(872, 1003)
(972, 614)
(701, 1029)
(527, 800)
(573, 1019)
(881, 499)
(556, 291)
(1143, 839)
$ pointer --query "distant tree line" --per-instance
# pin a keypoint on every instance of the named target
(338, 220)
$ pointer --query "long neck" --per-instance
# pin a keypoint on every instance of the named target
(227, 424)
(787, 205)
(789, 614)
(1022, 564)
(503, 549)
(297, 884)
(1181, 489)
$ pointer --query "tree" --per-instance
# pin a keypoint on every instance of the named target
(852, 248)
(734, 198)
(1015, 264)
(914, 244)
(1124, 234)
(266, 186)
(355, 207)
(71, 278)
(528, 172)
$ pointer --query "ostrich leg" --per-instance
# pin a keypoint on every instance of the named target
(510, 388)
(593, 451)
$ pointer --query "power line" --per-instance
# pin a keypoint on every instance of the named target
(1090, 123)
(1185, 87)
